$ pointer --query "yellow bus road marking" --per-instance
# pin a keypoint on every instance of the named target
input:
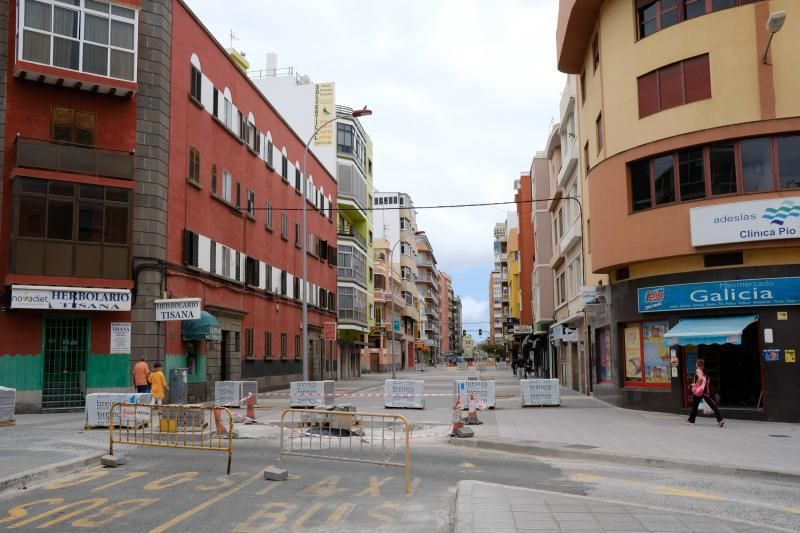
(77, 479)
(657, 489)
(18, 511)
(338, 513)
(414, 485)
(208, 503)
(374, 512)
(277, 518)
(299, 524)
(375, 485)
(129, 476)
(113, 512)
(170, 481)
(83, 505)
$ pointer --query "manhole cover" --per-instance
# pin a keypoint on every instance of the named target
(580, 447)
(787, 436)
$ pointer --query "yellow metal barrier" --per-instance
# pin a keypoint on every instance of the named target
(171, 426)
(374, 438)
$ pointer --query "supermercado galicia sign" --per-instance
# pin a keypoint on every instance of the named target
(69, 298)
(718, 294)
(761, 220)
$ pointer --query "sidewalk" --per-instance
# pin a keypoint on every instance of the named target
(490, 508)
(587, 428)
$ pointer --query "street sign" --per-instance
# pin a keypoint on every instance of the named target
(396, 325)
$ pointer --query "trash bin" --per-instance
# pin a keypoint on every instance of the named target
(177, 385)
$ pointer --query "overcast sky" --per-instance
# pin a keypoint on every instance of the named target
(463, 93)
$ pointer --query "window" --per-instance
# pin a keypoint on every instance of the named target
(284, 283)
(284, 227)
(297, 177)
(674, 85)
(267, 344)
(71, 126)
(405, 248)
(596, 52)
(599, 132)
(297, 235)
(586, 159)
(227, 186)
(583, 86)
(238, 194)
(691, 174)
(723, 168)
(723, 259)
(195, 83)
(283, 345)
(89, 36)
(248, 343)
(285, 168)
(646, 356)
(70, 229)
(213, 179)
(789, 161)
(268, 216)
(297, 352)
(655, 15)
(756, 164)
(269, 154)
(252, 271)
(194, 165)
(344, 138)
(251, 203)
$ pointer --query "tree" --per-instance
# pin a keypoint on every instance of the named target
(493, 349)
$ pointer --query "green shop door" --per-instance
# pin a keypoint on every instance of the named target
(66, 349)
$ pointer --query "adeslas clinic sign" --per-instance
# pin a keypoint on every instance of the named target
(761, 220)
(720, 294)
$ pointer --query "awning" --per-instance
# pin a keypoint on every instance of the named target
(205, 328)
(721, 330)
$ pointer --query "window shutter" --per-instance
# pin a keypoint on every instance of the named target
(63, 119)
(670, 84)
(238, 266)
(191, 247)
(216, 102)
(213, 262)
(697, 78)
(238, 194)
(84, 128)
(648, 94)
(332, 257)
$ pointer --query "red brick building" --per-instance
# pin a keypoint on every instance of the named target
(139, 162)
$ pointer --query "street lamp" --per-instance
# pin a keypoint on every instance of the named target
(391, 293)
(354, 114)
(774, 25)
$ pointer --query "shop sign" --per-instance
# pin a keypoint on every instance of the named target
(760, 220)
(177, 309)
(720, 294)
(523, 329)
(791, 356)
(69, 298)
(772, 354)
(120, 337)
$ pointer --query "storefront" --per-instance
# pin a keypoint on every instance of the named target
(740, 326)
(66, 342)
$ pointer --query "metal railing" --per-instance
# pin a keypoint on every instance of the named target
(171, 426)
(372, 438)
(350, 233)
(73, 158)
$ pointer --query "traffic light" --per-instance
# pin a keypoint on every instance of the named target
(480, 332)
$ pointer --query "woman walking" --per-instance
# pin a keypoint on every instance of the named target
(701, 391)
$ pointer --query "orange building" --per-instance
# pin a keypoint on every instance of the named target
(690, 131)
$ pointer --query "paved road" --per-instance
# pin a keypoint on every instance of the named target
(180, 491)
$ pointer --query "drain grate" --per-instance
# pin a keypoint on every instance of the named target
(786, 436)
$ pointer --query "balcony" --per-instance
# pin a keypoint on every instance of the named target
(569, 160)
(73, 158)
(352, 188)
(348, 232)
(571, 238)
(352, 316)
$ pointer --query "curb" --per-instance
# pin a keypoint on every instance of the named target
(38, 475)
(559, 451)
(463, 522)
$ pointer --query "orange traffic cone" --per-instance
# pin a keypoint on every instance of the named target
(218, 422)
(251, 409)
(458, 423)
(472, 416)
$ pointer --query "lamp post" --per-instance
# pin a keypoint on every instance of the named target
(354, 114)
(391, 292)
(774, 25)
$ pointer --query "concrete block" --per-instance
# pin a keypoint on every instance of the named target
(273, 473)
(464, 433)
(113, 461)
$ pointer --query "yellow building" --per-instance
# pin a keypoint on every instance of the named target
(689, 128)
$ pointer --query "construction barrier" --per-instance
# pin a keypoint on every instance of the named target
(373, 438)
(234, 393)
(312, 393)
(540, 392)
(173, 426)
(404, 393)
(98, 406)
(483, 390)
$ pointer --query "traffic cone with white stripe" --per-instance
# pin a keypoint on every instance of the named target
(218, 422)
(472, 416)
(251, 409)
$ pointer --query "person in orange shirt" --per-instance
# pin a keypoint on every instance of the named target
(140, 373)
(158, 384)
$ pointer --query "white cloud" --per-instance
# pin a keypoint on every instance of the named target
(474, 311)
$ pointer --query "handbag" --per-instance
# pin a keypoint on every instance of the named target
(705, 408)
(698, 389)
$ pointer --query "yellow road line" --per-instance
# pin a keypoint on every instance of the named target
(208, 503)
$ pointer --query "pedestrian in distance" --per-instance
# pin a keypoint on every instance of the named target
(158, 384)
(528, 368)
(701, 391)
(140, 373)
(514, 366)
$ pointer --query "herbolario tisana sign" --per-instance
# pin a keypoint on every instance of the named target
(177, 309)
(69, 298)
(719, 294)
(760, 220)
